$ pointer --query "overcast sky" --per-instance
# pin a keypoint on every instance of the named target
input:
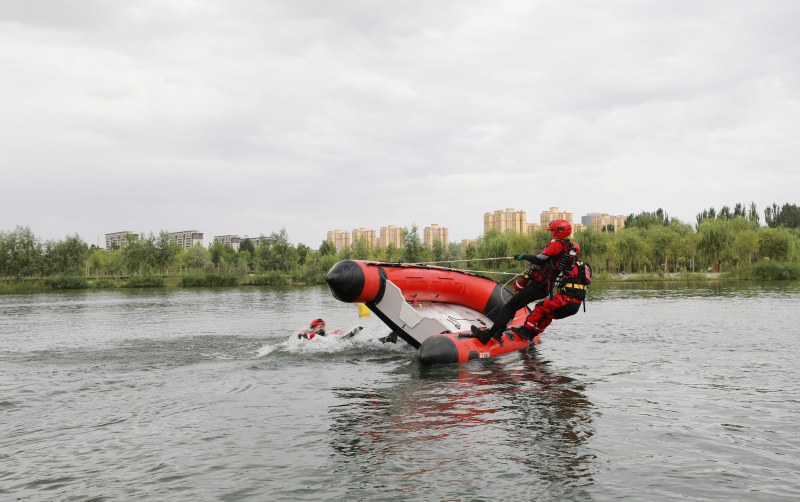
(244, 117)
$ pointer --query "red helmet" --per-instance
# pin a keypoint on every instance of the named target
(576, 248)
(317, 322)
(561, 229)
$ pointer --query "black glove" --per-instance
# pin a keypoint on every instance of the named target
(321, 332)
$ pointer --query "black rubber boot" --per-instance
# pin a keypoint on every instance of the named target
(525, 333)
(482, 335)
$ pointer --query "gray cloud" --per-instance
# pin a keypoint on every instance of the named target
(245, 116)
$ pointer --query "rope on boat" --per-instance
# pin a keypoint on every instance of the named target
(474, 259)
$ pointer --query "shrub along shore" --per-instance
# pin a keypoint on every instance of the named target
(759, 271)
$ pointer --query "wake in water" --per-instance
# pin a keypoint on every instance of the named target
(369, 338)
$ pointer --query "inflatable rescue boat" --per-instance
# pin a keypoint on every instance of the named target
(431, 308)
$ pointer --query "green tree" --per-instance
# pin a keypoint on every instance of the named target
(662, 242)
(775, 244)
(630, 245)
(438, 250)
(199, 258)
(360, 249)
(787, 216)
(302, 253)
(242, 267)
(412, 245)
(116, 262)
(717, 238)
(469, 253)
(262, 257)
(246, 245)
(283, 255)
(591, 243)
(21, 252)
(752, 215)
(646, 220)
(326, 248)
(746, 244)
(98, 260)
(215, 252)
(392, 253)
(165, 251)
(140, 254)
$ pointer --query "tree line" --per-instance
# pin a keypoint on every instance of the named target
(23, 254)
(650, 242)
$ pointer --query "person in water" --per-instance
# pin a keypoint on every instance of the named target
(564, 303)
(537, 282)
(318, 329)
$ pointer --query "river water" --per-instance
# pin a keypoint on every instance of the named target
(657, 392)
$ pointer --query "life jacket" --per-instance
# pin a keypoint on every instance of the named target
(578, 280)
(311, 334)
(549, 270)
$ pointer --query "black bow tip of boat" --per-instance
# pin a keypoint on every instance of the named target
(438, 349)
(346, 281)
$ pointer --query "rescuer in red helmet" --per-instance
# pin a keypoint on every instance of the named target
(570, 293)
(536, 282)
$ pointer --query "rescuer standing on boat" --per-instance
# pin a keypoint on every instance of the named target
(566, 302)
(537, 282)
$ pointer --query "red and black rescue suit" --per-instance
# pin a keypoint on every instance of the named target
(534, 286)
(566, 302)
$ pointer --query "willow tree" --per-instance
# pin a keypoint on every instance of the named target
(662, 242)
(717, 238)
(629, 245)
(591, 243)
(746, 243)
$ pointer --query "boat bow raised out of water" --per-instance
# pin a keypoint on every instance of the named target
(431, 308)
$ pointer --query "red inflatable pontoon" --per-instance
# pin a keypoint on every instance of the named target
(431, 308)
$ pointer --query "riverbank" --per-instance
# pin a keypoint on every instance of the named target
(760, 271)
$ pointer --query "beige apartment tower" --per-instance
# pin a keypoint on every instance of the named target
(505, 220)
(553, 214)
(187, 238)
(391, 234)
(367, 235)
(606, 220)
(231, 240)
(117, 240)
(466, 242)
(434, 233)
(339, 239)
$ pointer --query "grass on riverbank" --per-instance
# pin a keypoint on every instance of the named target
(760, 271)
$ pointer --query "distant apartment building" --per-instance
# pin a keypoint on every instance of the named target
(533, 227)
(505, 220)
(390, 235)
(117, 240)
(434, 233)
(547, 217)
(231, 240)
(258, 240)
(339, 239)
(608, 221)
(587, 219)
(187, 238)
(578, 227)
(465, 243)
(367, 235)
